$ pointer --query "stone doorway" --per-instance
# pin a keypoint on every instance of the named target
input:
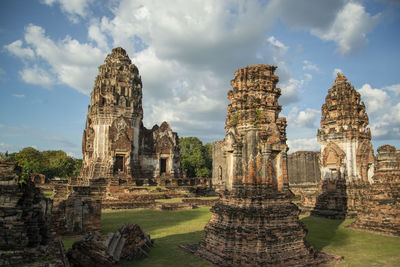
(119, 164)
(163, 166)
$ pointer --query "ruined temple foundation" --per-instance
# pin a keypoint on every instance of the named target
(257, 226)
(254, 223)
(76, 209)
(380, 209)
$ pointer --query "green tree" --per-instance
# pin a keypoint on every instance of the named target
(208, 156)
(195, 157)
(31, 160)
(77, 167)
(52, 163)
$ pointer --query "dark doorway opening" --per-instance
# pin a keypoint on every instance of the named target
(119, 164)
(163, 166)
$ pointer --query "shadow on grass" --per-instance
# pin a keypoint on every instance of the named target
(323, 232)
(328, 214)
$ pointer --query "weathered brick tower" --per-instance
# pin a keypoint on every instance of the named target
(347, 157)
(345, 139)
(254, 223)
(115, 142)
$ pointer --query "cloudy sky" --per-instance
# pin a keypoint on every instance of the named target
(186, 52)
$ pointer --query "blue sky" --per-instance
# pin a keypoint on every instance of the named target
(187, 52)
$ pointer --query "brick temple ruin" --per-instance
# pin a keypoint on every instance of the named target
(119, 153)
(116, 145)
(347, 157)
(351, 181)
(254, 223)
(346, 160)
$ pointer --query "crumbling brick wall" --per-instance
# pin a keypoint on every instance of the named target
(25, 216)
(79, 213)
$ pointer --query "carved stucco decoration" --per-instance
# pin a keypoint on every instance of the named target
(332, 155)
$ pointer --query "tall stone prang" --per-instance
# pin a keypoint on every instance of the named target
(115, 142)
(345, 139)
(254, 223)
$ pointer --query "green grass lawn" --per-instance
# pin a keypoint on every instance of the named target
(169, 228)
(179, 199)
(169, 200)
(173, 228)
(358, 248)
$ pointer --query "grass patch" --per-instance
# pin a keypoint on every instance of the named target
(179, 199)
(68, 241)
(173, 228)
(48, 194)
(169, 228)
(169, 200)
(208, 198)
(358, 248)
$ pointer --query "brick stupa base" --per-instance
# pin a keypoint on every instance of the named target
(257, 227)
(380, 210)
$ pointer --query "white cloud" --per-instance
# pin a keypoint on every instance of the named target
(273, 41)
(344, 22)
(73, 63)
(304, 118)
(349, 29)
(303, 144)
(99, 37)
(37, 76)
(73, 8)
(193, 33)
(395, 88)
(383, 114)
(19, 95)
(336, 71)
(17, 49)
(187, 51)
(387, 127)
(192, 102)
(289, 91)
(308, 65)
(374, 99)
